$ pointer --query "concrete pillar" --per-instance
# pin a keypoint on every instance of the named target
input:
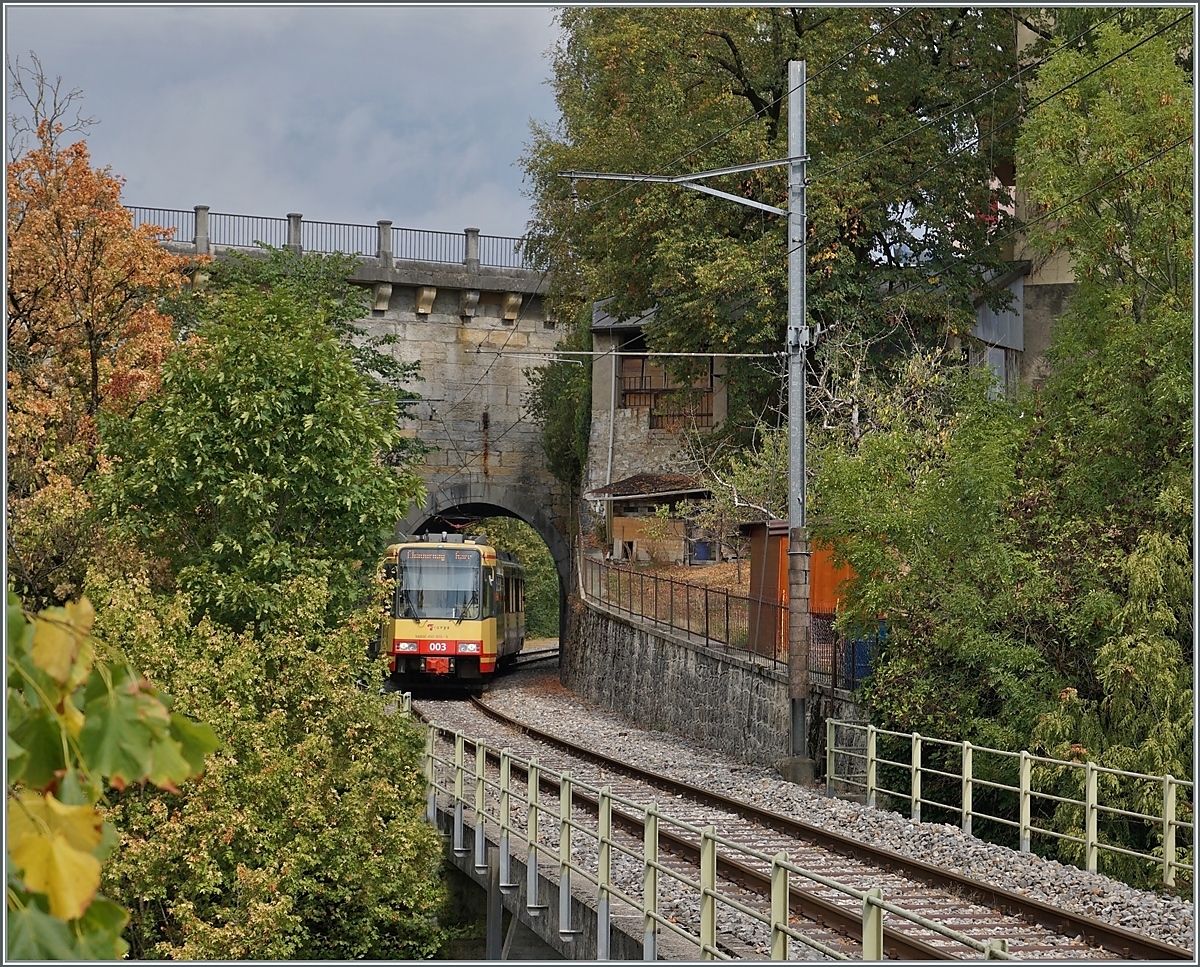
(200, 239)
(384, 250)
(293, 231)
(472, 259)
(800, 766)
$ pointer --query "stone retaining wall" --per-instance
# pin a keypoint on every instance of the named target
(731, 703)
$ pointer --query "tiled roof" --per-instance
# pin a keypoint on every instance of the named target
(648, 485)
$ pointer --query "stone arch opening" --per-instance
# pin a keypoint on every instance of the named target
(448, 507)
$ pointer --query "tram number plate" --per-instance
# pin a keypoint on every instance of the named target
(437, 666)
(439, 646)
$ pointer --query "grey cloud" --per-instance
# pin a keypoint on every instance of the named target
(344, 113)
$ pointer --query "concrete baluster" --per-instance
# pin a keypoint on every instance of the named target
(293, 232)
(1025, 828)
(200, 239)
(472, 257)
(708, 889)
(383, 250)
(968, 786)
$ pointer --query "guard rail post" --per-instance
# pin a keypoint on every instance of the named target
(871, 765)
(430, 778)
(480, 793)
(1169, 830)
(967, 788)
(1091, 784)
(604, 874)
(650, 884)
(708, 891)
(779, 907)
(830, 757)
(1025, 829)
(564, 858)
(460, 744)
(872, 925)
(914, 786)
(505, 819)
(706, 635)
(532, 903)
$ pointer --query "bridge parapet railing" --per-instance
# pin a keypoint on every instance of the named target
(204, 228)
(1091, 816)
(554, 827)
(735, 622)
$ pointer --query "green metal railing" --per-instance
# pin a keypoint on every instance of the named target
(1031, 803)
(460, 782)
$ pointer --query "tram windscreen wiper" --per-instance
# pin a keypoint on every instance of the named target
(467, 607)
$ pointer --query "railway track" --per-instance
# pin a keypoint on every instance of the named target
(825, 915)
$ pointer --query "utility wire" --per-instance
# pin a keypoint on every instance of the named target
(658, 322)
(756, 114)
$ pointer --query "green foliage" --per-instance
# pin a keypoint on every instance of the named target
(919, 508)
(899, 174)
(1035, 571)
(72, 723)
(541, 576)
(259, 459)
(560, 402)
(305, 838)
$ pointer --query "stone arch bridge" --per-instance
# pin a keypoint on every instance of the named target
(468, 308)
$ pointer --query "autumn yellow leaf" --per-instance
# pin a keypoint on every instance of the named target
(52, 844)
(55, 646)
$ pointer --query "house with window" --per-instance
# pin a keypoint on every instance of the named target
(639, 413)
(634, 531)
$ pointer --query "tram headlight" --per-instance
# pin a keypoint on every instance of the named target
(468, 647)
(403, 647)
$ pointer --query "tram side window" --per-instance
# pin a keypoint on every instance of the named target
(489, 581)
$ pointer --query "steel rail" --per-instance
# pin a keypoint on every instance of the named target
(1124, 943)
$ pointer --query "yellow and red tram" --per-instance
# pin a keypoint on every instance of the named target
(456, 612)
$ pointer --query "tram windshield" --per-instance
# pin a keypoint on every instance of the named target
(438, 582)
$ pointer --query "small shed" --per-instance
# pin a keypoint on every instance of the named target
(630, 506)
(769, 588)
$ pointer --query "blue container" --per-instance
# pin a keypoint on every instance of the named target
(703, 551)
(856, 659)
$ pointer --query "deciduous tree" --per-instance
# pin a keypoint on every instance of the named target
(84, 334)
(259, 459)
(902, 143)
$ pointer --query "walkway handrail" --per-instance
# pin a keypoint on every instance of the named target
(465, 789)
(1090, 823)
(203, 229)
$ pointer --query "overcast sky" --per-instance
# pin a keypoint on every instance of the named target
(417, 113)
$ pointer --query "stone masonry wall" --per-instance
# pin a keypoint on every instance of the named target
(730, 703)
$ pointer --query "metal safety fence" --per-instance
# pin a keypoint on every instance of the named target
(722, 619)
(553, 830)
(1092, 812)
(227, 230)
